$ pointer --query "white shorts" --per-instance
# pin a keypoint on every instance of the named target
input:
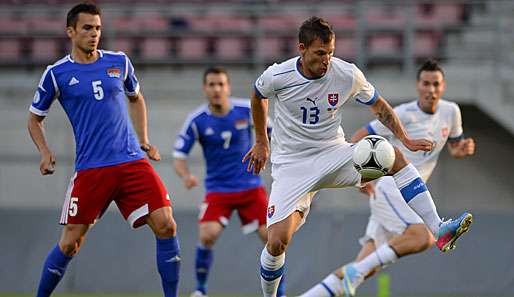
(295, 184)
(390, 214)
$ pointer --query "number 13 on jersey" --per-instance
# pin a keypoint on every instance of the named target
(310, 115)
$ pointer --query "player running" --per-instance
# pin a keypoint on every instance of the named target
(310, 152)
(92, 86)
(223, 128)
(392, 222)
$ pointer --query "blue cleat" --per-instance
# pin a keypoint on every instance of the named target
(352, 279)
(451, 230)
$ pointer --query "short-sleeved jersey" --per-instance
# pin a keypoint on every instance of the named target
(94, 99)
(445, 124)
(307, 111)
(224, 141)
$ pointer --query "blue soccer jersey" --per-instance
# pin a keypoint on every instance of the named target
(224, 140)
(94, 98)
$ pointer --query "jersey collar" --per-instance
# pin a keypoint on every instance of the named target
(208, 110)
(427, 113)
(100, 55)
(303, 75)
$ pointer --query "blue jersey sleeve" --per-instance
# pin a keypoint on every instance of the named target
(45, 94)
(185, 140)
(131, 83)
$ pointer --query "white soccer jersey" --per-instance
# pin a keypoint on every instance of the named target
(445, 124)
(307, 115)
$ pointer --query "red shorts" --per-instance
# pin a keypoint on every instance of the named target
(251, 206)
(134, 186)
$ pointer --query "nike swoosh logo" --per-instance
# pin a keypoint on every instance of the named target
(174, 259)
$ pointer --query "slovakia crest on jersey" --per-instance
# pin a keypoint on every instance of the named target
(444, 132)
(271, 211)
(114, 72)
(333, 99)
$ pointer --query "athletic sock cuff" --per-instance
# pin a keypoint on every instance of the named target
(168, 244)
(272, 263)
(406, 175)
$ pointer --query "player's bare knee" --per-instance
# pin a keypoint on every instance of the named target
(400, 161)
(165, 228)
(208, 239)
(70, 247)
(277, 244)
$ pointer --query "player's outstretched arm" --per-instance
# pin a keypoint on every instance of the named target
(259, 153)
(37, 133)
(387, 116)
(137, 109)
(462, 147)
(182, 169)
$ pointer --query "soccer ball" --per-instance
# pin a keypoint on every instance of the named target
(373, 156)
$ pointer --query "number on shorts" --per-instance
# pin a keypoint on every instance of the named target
(74, 207)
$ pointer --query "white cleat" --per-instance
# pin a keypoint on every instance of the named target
(197, 294)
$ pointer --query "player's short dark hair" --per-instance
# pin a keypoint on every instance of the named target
(315, 28)
(73, 14)
(429, 65)
(215, 70)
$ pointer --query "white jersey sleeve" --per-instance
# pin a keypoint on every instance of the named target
(264, 84)
(362, 90)
(456, 129)
(130, 80)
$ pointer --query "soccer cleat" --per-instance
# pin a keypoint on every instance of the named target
(197, 294)
(352, 279)
(451, 230)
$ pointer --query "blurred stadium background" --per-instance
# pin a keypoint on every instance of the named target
(170, 43)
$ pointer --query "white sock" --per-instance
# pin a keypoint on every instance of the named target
(417, 196)
(384, 255)
(331, 286)
(271, 272)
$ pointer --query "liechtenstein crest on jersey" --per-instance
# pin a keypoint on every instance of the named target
(114, 72)
(271, 211)
(333, 99)
(241, 124)
(444, 132)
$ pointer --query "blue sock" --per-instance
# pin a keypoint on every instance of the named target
(168, 264)
(203, 263)
(53, 271)
(281, 291)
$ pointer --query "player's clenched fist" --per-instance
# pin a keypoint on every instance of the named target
(190, 181)
(467, 146)
(47, 164)
(151, 151)
(258, 156)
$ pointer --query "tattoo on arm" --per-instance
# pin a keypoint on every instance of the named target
(385, 114)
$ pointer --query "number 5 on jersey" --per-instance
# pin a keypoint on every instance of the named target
(97, 89)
